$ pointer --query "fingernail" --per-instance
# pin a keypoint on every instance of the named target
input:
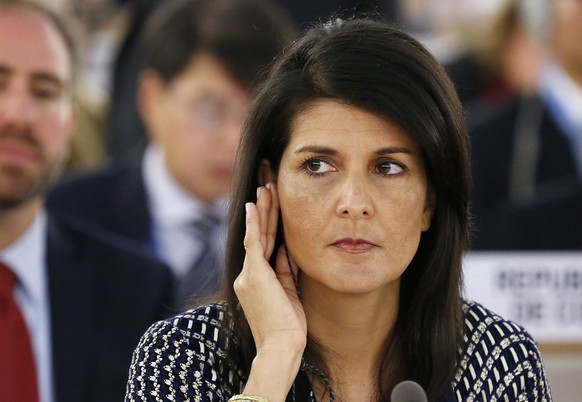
(247, 207)
(258, 192)
(268, 185)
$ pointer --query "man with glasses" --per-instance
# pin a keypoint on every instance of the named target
(202, 58)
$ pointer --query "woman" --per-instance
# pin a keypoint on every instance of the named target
(343, 278)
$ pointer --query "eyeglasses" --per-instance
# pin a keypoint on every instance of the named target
(213, 114)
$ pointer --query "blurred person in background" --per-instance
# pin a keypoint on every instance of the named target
(533, 146)
(74, 302)
(453, 31)
(202, 59)
(511, 58)
(124, 128)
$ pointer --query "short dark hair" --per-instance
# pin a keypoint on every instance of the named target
(58, 22)
(369, 64)
(244, 35)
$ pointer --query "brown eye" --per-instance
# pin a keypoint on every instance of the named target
(317, 167)
(389, 168)
(46, 92)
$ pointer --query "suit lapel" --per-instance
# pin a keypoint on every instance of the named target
(131, 207)
(71, 299)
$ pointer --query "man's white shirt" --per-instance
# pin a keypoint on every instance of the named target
(173, 212)
(27, 259)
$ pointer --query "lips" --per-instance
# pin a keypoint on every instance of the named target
(354, 246)
(16, 150)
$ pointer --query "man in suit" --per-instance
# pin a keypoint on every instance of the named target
(78, 300)
(535, 143)
(193, 97)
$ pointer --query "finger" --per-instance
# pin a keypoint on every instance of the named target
(273, 220)
(285, 273)
(263, 207)
(252, 241)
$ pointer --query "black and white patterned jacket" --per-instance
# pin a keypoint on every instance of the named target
(184, 359)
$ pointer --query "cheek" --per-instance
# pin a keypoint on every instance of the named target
(299, 212)
(304, 213)
(169, 127)
(56, 128)
(404, 213)
(187, 158)
(181, 143)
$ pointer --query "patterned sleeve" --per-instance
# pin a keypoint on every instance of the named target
(179, 360)
(501, 363)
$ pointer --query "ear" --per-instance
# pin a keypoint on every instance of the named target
(429, 208)
(266, 174)
(149, 89)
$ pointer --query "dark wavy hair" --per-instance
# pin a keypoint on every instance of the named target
(371, 65)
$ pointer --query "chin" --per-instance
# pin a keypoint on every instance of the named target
(358, 285)
(355, 290)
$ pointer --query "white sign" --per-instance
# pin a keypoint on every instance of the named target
(541, 291)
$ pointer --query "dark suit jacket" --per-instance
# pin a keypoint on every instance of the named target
(551, 222)
(113, 198)
(104, 293)
(492, 147)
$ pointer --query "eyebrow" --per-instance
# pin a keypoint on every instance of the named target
(330, 151)
(315, 149)
(39, 76)
(49, 78)
(393, 150)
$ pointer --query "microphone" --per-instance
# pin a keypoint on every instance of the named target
(408, 391)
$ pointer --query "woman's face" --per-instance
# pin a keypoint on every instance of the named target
(354, 198)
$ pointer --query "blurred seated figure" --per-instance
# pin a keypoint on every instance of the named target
(454, 30)
(202, 59)
(534, 143)
(74, 301)
(511, 56)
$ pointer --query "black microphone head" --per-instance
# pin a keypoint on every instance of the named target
(408, 391)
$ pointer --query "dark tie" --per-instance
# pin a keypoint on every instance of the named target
(17, 368)
(205, 274)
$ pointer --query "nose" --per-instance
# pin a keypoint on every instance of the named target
(355, 200)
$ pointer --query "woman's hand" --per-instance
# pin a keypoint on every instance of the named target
(270, 302)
